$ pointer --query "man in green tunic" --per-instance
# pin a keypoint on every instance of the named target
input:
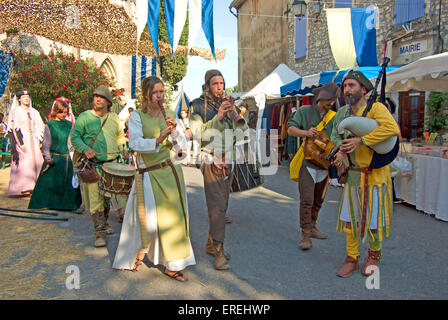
(108, 144)
(210, 116)
(313, 180)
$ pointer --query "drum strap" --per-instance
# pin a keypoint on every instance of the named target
(366, 172)
(179, 189)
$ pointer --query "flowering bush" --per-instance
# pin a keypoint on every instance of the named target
(57, 74)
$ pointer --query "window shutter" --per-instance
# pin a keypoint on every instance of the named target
(342, 3)
(301, 41)
(416, 9)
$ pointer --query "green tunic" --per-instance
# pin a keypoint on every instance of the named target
(53, 188)
(172, 220)
(300, 120)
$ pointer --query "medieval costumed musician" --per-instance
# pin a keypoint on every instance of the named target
(313, 179)
(211, 114)
(156, 220)
(25, 133)
(365, 209)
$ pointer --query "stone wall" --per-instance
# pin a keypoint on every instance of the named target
(319, 57)
(262, 40)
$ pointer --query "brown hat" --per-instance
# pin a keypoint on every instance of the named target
(212, 73)
(328, 91)
(360, 77)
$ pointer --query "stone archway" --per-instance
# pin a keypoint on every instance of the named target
(109, 70)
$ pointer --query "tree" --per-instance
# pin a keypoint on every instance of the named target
(436, 119)
(57, 74)
(172, 69)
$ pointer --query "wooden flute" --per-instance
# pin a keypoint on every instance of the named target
(180, 155)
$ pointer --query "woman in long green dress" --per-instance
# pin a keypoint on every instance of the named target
(156, 221)
(54, 188)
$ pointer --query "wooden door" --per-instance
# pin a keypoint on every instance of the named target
(412, 113)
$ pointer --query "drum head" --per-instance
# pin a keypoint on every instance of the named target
(119, 169)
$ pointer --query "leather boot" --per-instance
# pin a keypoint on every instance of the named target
(315, 233)
(306, 242)
(109, 229)
(373, 259)
(212, 250)
(351, 265)
(100, 230)
(221, 262)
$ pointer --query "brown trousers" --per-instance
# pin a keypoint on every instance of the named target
(217, 191)
(311, 198)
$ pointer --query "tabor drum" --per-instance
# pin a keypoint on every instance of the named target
(245, 173)
(116, 178)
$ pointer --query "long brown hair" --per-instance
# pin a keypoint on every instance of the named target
(147, 87)
(57, 108)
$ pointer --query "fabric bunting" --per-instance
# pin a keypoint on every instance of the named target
(352, 35)
(5, 65)
(200, 17)
(142, 67)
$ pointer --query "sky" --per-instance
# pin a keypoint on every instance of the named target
(225, 30)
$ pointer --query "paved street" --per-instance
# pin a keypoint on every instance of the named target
(263, 240)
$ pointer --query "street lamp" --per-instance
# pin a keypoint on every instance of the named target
(299, 8)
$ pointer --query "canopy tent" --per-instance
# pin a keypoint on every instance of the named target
(104, 26)
(304, 85)
(268, 89)
(426, 74)
(182, 102)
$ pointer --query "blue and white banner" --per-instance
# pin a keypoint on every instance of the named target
(200, 17)
(142, 67)
(5, 66)
(352, 35)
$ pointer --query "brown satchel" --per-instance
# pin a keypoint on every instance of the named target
(317, 149)
(88, 172)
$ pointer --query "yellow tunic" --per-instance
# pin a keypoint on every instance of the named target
(378, 178)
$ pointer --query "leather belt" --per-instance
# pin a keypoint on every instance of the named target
(366, 172)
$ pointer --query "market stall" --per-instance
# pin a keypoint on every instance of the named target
(426, 186)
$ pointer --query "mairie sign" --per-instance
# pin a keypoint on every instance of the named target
(415, 47)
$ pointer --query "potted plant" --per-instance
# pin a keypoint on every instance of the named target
(435, 121)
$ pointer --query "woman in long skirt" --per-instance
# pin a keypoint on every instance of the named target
(156, 221)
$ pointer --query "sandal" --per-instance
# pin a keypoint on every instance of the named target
(137, 264)
(177, 275)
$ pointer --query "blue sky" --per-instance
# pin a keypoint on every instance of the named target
(225, 28)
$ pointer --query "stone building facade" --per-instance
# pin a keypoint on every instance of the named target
(261, 25)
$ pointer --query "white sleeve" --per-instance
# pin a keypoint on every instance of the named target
(136, 140)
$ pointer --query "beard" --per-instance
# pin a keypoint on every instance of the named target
(353, 98)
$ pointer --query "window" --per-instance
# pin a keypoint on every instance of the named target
(342, 3)
(301, 38)
(406, 10)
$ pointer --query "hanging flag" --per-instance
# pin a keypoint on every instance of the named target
(352, 35)
(169, 18)
(207, 23)
(142, 16)
(5, 66)
(195, 21)
(180, 16)
(141, 68)
(153, 23)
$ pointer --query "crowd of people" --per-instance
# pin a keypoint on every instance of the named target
(62, 164)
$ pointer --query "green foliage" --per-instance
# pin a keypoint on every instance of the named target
(172, 69)
(436, 120)
(234, 89)
(57, 74)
